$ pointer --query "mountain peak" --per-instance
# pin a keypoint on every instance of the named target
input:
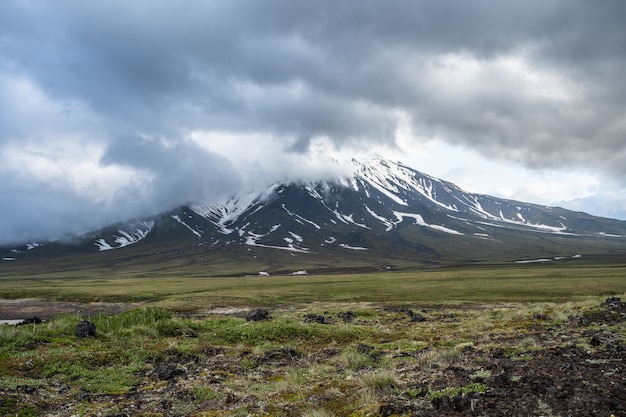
(382, 210)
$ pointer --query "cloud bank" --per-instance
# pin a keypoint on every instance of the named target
(116, 109)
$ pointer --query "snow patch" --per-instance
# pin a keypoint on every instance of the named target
(349, 219)
(224, 213)
(298, 217)
(383, 220)
(178, 219)
(126, 238)
(544, 260)
(296, 237)
(609, 234)
(253, 238)
(419, 220)
(103, 245)
(343, 245)
(530, 261)
(390, 179)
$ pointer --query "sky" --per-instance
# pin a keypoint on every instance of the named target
(116, 109)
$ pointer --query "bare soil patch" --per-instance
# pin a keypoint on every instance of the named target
(27, 308)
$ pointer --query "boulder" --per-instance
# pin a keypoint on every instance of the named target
(258, 314)
(612, 302)
(85, 329)
(168, 372)
(315, 318)
(32, 320)
(347, 316)
(417, 318)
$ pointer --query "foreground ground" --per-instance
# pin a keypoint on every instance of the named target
(318, 359)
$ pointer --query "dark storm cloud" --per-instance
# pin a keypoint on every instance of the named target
(186, 64)
(138, 77)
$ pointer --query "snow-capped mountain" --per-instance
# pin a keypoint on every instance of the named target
(380, 197)
(383, 210)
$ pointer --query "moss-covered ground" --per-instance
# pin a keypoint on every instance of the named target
(519, 342)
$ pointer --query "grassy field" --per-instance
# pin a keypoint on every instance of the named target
(486, 332)
(456, 285)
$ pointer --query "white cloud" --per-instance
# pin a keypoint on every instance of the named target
(261, 159)
(105, 105)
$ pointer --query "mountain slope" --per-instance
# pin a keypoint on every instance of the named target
(383, 214)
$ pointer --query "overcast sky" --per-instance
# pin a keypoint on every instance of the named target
(114, 109)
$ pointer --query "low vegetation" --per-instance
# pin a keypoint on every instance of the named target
(436, 285)
(329, 356)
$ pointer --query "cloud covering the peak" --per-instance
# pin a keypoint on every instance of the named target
(115, 109)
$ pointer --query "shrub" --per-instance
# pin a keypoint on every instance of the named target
(381, 382)
(354, 360)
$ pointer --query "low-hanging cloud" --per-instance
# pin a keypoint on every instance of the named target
(540, 83)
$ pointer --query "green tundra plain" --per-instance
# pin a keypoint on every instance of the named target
(333, 345)
(499, 283)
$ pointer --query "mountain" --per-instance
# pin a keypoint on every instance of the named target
(384, 215)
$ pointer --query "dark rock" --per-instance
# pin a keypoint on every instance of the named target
(213, 351)
(286, 353)
(458, 403)
(613, 302)
(465, 401)
(369, 351)
(442, 404)
(394, 408)
(33, 320)
(85, 329)
(26, 389)
(406, 311)
(315, 318)
(258, 314)
(167, 372)
(417, 318)
(364, 349)
(608, 340)
(347, 316)
(597, 340)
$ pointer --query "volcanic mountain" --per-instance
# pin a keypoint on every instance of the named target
(383, 215)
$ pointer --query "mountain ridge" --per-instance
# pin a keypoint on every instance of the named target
(384, 212)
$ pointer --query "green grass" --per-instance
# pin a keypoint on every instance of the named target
(245, 357)
(354, 360)
(479, 284)
(381, 382)
(474, 387)
(478, 308)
